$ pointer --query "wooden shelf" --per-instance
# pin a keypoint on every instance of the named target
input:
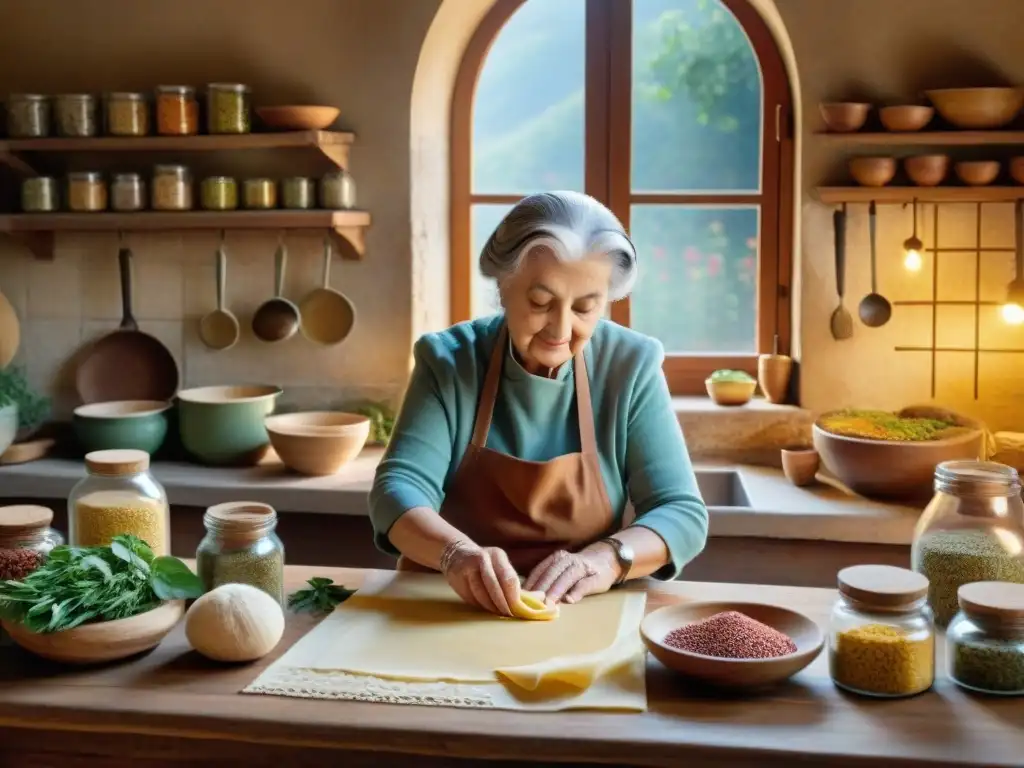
(335, 145)
(900, 195)
(36, 231)
(927, 138)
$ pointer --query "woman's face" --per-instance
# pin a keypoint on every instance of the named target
(552, 306)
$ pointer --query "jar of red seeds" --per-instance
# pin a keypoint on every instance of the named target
(26, 539)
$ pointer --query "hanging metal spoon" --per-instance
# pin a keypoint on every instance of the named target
(875, 310)
(842, 320)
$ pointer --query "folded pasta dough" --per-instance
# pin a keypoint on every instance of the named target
(531, 606)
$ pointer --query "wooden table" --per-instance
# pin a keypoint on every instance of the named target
(170, 707)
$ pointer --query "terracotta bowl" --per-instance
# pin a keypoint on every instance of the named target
(732, 673)
(317, 442)
(887, 469)
(844, 117)
(872, 171)
(800, 465)
(977, 173)
(1017, 169)
(978, 108)
(294, 118)
(907, 118)
(730, 392)
(927, 170)
(102, 642)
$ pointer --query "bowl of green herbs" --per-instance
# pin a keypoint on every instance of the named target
(88, 605)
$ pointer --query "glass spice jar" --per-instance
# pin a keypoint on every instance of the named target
(128, 192)
(39, 194)
(259, 194)
(86, 192)
(172, 188)
(241, 547)
(881, 634)
(76, 115)
(127, 114)
(338, 191)
(985, 640)
(298, 193)
(228, 108)
(177, 110)
(28, 116)
(972, 530)
(119, 496)
(26, 539)
(219, 193)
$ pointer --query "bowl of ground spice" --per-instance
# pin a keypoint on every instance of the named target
(880, 454)
(732, 645)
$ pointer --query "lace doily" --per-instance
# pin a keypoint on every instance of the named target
(300, 683)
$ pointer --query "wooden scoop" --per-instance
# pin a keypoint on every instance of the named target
(842, 320)
(219, 329)
(327, 315)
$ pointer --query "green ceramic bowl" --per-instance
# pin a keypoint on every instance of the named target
(137, 424)
(224, 425)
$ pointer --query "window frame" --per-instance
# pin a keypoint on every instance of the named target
(607, 170)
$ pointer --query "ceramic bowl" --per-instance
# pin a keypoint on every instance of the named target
(730, 392)
(800, 465)
(1017, 169)
(732, 673)
(318, 442)
(977, 173)
(978, 108)
(903, 119)
(224, 425)
(872, 171)
(927, 170)
(104, 641)
(844, 117)
(298, 118)
(123, 424)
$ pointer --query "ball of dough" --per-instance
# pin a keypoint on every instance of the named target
(234, 622)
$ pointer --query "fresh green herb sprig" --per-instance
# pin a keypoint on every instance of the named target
(14, 390)
(323, 595)
(81, 585)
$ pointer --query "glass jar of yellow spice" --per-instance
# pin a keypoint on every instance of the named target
(119, 496)
(882, 634)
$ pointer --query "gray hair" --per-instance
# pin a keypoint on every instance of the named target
(572, 225)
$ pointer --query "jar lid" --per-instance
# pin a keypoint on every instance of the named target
(24, 518)
(219, 180)
(75, 96)
(239, 518)
(181, 90)
(27, 97)
(237, 87)
(992, 599)
(180, 170)
(259, 180)
(132, 177)
(884, 586)
(85, 176)
(127, 95)
(40, 180)
(117, 462)
(976, 478)
(300, 179)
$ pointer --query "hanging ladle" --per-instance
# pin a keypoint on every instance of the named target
(277, 318)
(875, 310)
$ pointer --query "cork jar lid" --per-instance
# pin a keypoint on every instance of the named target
(993, 599)
(22, 519)
(883, 586)
(117, 463)
(240, 520)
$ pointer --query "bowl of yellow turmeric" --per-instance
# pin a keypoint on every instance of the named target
(893, 455)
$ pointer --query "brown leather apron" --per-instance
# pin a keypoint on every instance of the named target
(527, 508)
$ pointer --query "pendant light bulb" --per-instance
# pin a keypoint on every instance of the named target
(912, 247)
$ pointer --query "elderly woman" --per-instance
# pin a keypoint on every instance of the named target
(523, 435)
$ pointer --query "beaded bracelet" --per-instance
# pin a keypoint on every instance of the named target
(449, 552)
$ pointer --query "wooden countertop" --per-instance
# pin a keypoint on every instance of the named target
(171, 706)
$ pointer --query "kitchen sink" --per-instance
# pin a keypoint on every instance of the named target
(722, 488)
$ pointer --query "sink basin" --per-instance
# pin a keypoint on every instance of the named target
(722, 488)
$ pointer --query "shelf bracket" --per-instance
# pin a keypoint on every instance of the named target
(40, 244)
(16, 164)
(353, 242)
(336, 153)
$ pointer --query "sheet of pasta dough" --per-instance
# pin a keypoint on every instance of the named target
(411, 629)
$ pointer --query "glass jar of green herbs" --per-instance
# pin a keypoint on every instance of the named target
(985, 640)
(241, 547)
(228, 108)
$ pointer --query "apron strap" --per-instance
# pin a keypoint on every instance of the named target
(584, 407)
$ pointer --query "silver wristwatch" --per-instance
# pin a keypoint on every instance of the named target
(624, 554)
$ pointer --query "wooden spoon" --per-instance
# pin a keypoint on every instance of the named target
(842, 320)
(219, 329)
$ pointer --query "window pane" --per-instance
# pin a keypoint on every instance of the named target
(697, 113)
(528, 108)
(697, 290)
(484, 220)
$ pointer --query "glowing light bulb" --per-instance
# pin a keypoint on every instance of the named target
(1013, 314)
(912, 261)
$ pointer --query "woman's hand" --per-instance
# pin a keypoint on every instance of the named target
(482, 576)
(569, 577)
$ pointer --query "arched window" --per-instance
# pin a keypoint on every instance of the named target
(675, 114)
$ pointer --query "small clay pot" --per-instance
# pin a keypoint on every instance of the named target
(800, 465)
(872, 171)
(903, 119)
(773, 372)
(977, 173)
(1017, 169)
(844, 117)
(927, 170)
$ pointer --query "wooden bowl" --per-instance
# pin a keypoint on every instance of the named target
(844, 117)
(907, 118)
(887, 469)
(978, 108)
(317, 442)
(732, 673)
(927, 170)
(1017, 169)
(730, 392)
(294, 118)
(872, 171)
(800, 465)
(977, 173)
(104, 641)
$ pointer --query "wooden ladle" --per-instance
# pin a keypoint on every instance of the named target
(219, 329)
(327, 314)
(277, 319)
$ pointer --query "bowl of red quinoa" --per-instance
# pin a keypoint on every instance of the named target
(732, 645)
